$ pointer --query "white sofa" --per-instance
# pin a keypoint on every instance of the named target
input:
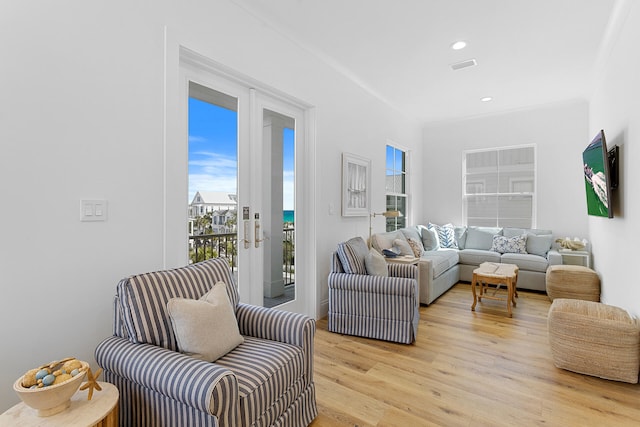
(444, 262)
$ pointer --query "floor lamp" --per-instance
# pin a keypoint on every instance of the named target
(386, 214)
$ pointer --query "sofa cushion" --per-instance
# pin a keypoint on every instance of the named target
(429, 238)
(480, 238)
(477, 256)
(268, 373)
(375, 264)
(446, 235)
(441, 260)
(512, 245)
(461, 236)
(382, 241)
(352, 254)
(403, 245)
(413, 233)
(526, 262)
(513, 232)
(539, 244)
(207, 328)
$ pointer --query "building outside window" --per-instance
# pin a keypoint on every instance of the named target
(396, 186)
(499, 187)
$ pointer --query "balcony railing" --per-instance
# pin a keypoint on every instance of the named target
(208, 246)
(288, 256)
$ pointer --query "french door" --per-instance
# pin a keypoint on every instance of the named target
(270, 220)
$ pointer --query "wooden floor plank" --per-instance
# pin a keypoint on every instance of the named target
(466, 368)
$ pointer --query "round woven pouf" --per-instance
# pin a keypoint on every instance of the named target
(574, 282)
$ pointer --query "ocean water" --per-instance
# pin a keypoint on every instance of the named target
(288, 216)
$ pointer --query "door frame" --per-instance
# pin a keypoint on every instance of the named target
(180, 65)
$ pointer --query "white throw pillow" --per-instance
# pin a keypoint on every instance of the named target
(207, 328)
(376, 264)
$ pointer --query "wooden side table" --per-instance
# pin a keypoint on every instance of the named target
(571, 257)
(495, 274)
(100, 411)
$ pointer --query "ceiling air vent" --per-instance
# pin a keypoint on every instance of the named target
(464, 64)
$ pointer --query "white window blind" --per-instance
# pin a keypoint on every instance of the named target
(499, 187)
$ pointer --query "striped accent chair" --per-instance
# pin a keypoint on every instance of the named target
(379, 307)
(266, 381)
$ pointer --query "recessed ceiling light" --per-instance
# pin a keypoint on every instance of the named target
(459, 45)
(486, 99)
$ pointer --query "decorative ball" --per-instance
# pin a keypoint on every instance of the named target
(48, 380)
(30, 379)
(42, 373)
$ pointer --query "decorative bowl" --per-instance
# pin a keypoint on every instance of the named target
(53, 399)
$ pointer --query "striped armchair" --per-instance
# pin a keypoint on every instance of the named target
(379, 307)
(266, 381)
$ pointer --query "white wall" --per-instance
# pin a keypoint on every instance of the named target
(559, 132)
(81, 116)
(615, 107)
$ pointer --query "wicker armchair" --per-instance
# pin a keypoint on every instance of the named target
(267, 380)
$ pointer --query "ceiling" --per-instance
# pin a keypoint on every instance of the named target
(528, 52)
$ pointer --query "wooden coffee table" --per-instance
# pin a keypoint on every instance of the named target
(495, 274)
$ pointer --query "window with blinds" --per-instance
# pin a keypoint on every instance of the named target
(499, 187)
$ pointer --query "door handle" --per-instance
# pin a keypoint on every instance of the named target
(257, 231)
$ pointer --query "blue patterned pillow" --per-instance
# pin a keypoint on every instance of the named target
(352, 254)
(510, 245)
(446, 235)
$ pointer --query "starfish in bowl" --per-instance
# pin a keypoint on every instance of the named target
(92, 382)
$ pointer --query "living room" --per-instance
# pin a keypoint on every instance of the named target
(85, 114)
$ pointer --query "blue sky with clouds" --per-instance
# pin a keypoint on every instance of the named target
(213, 151)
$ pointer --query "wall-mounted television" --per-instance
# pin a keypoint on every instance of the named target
(600, 175)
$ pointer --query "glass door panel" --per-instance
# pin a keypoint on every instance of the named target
(278, 146)
(213, 175)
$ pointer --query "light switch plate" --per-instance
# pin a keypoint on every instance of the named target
(93, 210)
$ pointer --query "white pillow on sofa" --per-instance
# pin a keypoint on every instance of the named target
(207, 328)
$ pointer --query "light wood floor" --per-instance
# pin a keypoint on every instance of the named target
(466, 368)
